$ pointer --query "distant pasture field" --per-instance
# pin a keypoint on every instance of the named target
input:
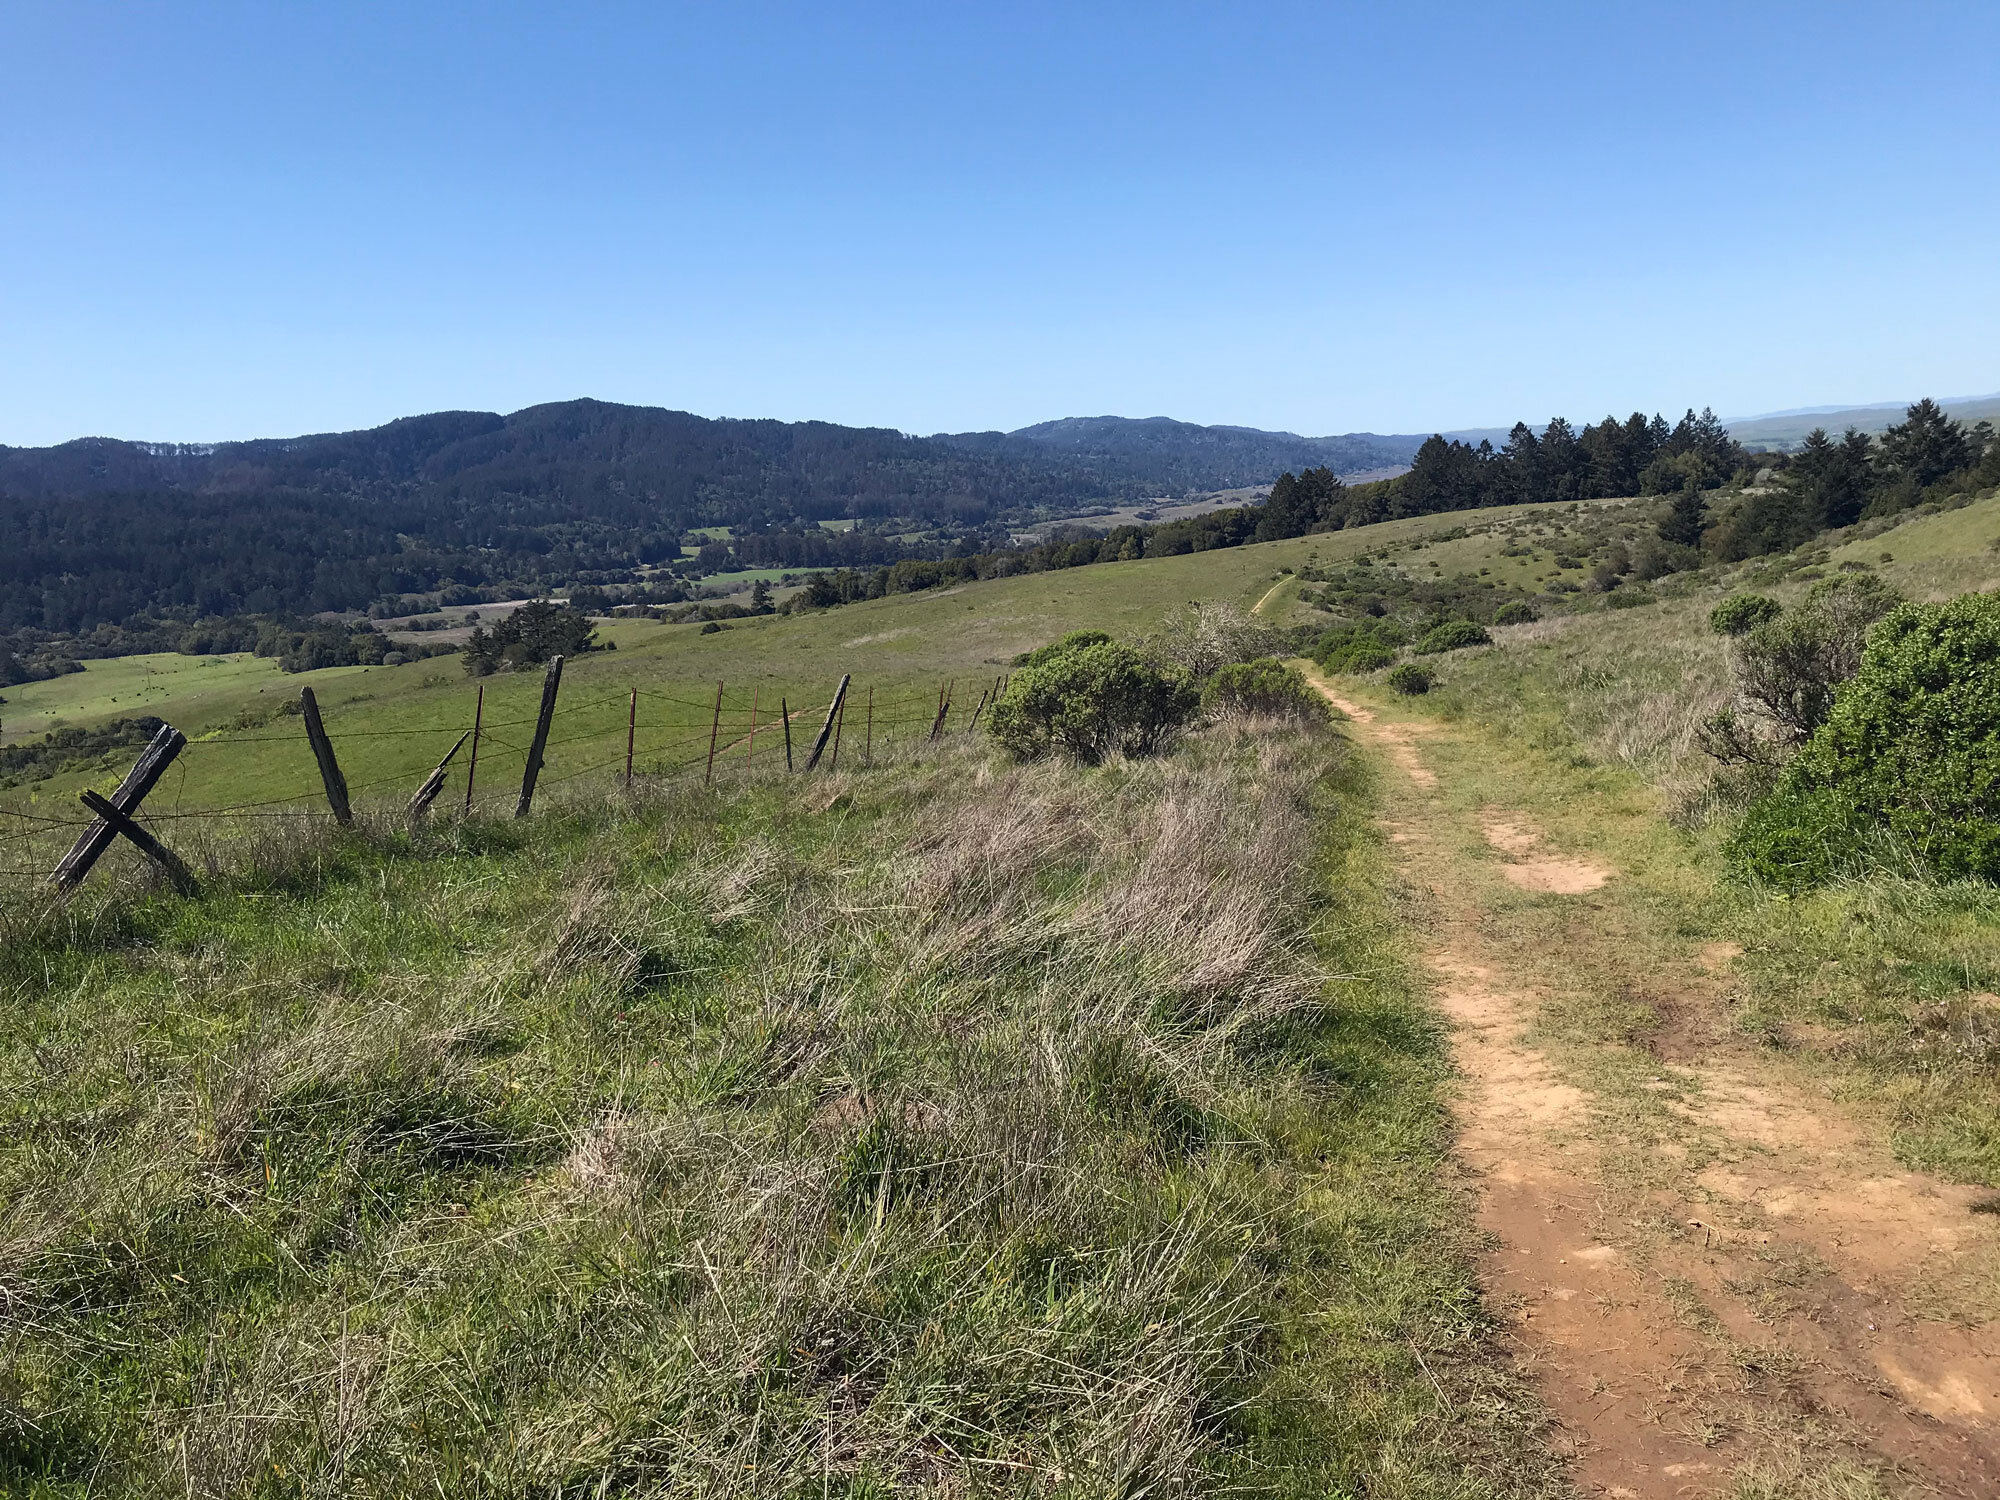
(391, 724)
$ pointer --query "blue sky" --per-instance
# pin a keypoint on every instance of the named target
(267, 218)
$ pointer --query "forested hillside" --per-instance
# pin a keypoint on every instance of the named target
(101, 531)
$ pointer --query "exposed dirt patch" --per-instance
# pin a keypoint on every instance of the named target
(1397, 741)
(1533, 870)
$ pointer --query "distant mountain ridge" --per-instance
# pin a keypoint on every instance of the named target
(101, 530)
(1784, 428)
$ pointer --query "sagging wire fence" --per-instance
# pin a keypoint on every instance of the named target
(663, 732)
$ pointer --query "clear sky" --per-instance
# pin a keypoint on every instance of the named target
(237, 220)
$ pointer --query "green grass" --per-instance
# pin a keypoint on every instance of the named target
(121, 687)
(941, 1128)
(391, 724)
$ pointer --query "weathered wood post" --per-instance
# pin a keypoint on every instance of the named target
(329, 768)
(825, 729)
(839, 720)
(152, 848)
(146, 772)
(937, 724)
(984, 694)
(472, 767)
(434, 783)
(631, 734)
(714, 728)
(532, 771)
(785, 713)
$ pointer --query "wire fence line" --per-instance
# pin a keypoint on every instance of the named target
(636, 732)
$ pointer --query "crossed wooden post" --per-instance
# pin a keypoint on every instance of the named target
(114, 817)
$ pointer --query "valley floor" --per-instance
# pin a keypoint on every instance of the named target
(1713, 1267)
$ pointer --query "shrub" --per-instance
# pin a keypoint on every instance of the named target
(1790, 667)
(1201, 639)
(1076, 640)
(1265, 688)
(1739, 614)
(1911, 750)
(1452, 635)
(1410, 678)
(1087, 698)
(1359, 656)
(1518, 612)
(1624, 598)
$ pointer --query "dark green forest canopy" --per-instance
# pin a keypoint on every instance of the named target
(100, 531)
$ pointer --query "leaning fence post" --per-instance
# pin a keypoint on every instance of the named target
(937, 724)
(434, 783)
(714, 728)
(152, 848)
(976, 710)
(472, 766)
(531, 772)
(825, 729)
(146, 771)
(785, 714)
(329, 768)
(839, 720)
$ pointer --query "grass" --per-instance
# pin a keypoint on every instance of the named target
(943, 1127)
(123, 687)
(391, 724)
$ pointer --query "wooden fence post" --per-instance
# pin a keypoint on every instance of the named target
(532, 771)
(937, 724)
(825, 729)
(434, 783)
(976, 710)
(839, 720)
(785, 714)
(145, 774)
(159, 853)
(472, 768)
(631, 734)
(329, 768)
(714, 727)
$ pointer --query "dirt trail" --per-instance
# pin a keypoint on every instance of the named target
(1766, 1288)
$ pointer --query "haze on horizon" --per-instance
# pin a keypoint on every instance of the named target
(231, 221)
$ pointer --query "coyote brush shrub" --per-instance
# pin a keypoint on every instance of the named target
(1265, 688)
(1739, 614)
(1086, 698)
(1911, 749)
(1518, 612)
(1452, 635)
(1411, 679)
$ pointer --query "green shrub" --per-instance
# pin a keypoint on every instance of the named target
(1519, 612)
(1739, 614)
(1410, 678)
(1911, 751)
(1087, 696)
(1623, 598)
(1360, 656)
(1076, 640)
(1452, 635)
(1265, 688)
(1791, 666)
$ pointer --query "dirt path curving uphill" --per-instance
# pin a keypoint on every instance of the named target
(1716, 1278)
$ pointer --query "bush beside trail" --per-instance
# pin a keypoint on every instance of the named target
(1087, 698)
(1910, 749)
(1452, 635)
(1265, 688)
